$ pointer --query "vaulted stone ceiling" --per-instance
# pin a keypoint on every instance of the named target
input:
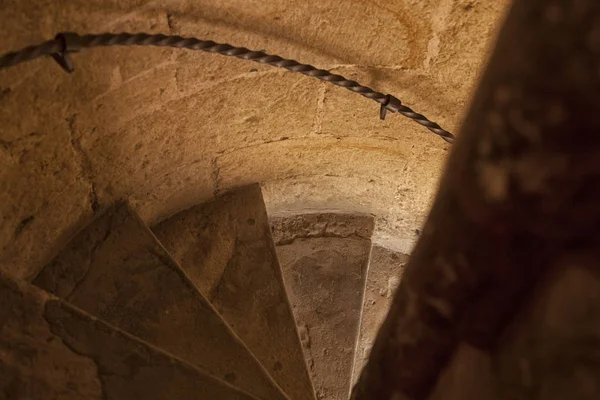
(169, 128)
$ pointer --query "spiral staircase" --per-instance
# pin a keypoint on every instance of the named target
(177, 224)
(216, 302)
(139, 258)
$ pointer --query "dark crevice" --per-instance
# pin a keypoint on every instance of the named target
(23, 224)
(322, 234)
(171, 22)
(230, 263)
(94, 204)
(93, 251)
(84, 163)
(215, 176)
(59, 331)
(164, 259)
(4, 92)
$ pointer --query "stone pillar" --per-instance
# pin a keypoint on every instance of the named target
(521, 190)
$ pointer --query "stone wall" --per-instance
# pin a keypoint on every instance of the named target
(168, 128)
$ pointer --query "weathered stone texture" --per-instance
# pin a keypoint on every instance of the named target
(520, 192)
(383, 278)
(551, 351)
(470, 375)
(45, 176)
(226, 249)
(116, 270)
(287, 228)
(548, 352)
(50, 350)
(158, 126)
(325, 278)
(36, 170)
(34, 362)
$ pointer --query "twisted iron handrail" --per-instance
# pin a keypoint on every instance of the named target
(66, 43)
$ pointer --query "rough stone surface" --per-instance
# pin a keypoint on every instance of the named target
(548, 352)
(551, 351)
(470, 375)
(287, 228)
(342, 160)
(325, 273)
(116, 270)
(158, 125)
(226, 249)
(520, 192)
(383, 278)
(50, 350)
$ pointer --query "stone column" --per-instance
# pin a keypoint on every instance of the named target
(521, 190)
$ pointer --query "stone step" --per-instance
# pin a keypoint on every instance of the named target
(116, 270)
(50, 350)
(385, 271)
(324, 258)
(225, 247)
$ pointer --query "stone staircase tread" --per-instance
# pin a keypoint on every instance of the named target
(50, 350)
(325, 262)
(385, 271)
(225, 247)
(116, 270)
